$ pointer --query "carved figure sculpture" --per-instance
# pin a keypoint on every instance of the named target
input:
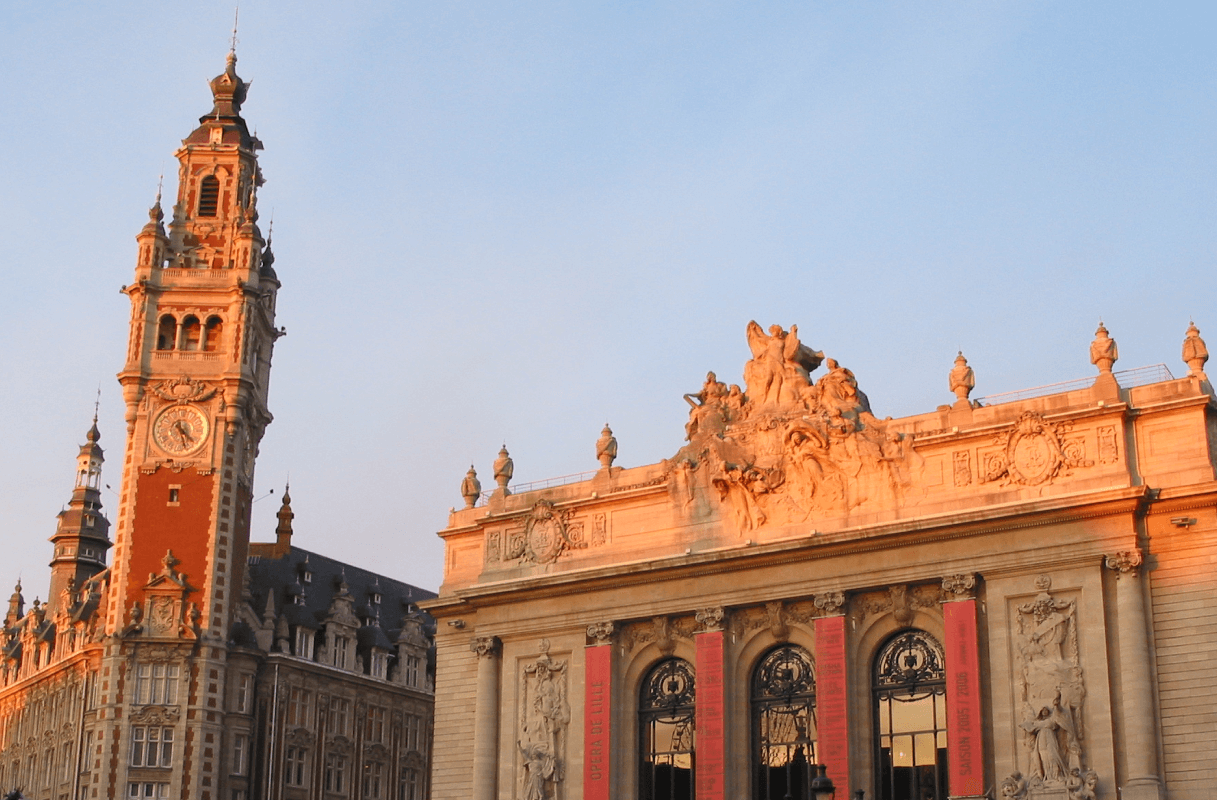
(539, 767)
(504, 468)
(1195, 353)
(705, 403)
(545, 719)
(471, 487)
(1049, 687)
(1103, 351)
(606, 447)
(963, 379)
(780, 367)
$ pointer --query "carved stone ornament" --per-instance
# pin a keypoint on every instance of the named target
(544, 724)
(600, 632)
(959, 587)
(485, 645)
(710, 619)
(1050, 695)
(830, 603)
(662, 631)
(1124, 562)
(787, 450)
(156, 715)
(183, 389)
(901, 601)
(1033, 452)
(546, 535)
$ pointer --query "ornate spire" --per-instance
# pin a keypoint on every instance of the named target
(228, 91)
(283, 532)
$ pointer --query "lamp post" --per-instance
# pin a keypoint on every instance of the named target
(821, 785)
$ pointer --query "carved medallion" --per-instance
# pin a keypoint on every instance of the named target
(1033, 452)
(545, 534)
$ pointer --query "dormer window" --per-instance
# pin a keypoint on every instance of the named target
(380, 663)
(209, 196)
(307, 577)
(304, 642)
(376, 598)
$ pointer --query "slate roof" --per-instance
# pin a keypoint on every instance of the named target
(285, 578)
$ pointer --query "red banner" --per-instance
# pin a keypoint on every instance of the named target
(964, 736)
(832, 738)
(596, 722)
(709, 692)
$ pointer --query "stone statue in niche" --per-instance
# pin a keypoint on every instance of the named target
(545, 718)
(1050, 694)
(788, 449)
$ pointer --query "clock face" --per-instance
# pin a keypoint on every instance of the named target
(180, 430)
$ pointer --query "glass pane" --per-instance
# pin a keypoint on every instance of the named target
(917, 715)
(902, 751)
(924, 748)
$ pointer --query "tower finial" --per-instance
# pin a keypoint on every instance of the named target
(236, 14)
(97, 404)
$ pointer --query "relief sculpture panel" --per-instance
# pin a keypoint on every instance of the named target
(1050, 694)
(544, 724)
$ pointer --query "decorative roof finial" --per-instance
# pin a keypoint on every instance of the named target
(471, 488)
(236, 14)
(1195, 352)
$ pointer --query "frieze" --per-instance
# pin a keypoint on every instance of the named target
(156, 715)
(1033, 452)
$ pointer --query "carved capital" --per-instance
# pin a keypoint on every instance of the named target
(830, 604)
(959, 587)
(1124, 562)
(710, 619)
(600, 632)
(485, 646)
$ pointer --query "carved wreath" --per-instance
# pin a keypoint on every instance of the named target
(182, 390)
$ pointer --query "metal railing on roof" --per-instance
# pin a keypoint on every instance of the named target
(548, 483)
(1139, 376)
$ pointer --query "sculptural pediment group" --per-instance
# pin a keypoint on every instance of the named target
(787, 447)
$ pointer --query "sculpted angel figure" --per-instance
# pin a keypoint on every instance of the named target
(780, 364)
(539, 766)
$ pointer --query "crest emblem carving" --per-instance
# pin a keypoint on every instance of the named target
(1033, 452)
(546, 536)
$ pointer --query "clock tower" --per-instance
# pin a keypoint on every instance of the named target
(195, 382)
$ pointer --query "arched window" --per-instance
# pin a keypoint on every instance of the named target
(783, 725)
(911, 718)
(191, 333)
(166, 333)
(212, 332)
(209, 196)
(665, 724)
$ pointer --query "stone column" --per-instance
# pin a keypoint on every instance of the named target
(965, 739)
(598, 712)
(1141, 779)
(711, 762)
(486, 718)
(832, 689)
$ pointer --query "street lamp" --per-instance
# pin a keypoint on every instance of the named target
(821, 785)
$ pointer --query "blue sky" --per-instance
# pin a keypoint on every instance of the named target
(515, 221)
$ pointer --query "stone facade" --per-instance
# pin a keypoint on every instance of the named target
(994, 597)
(198, 665)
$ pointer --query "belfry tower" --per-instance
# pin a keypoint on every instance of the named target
(196, 375)
(82, 535)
